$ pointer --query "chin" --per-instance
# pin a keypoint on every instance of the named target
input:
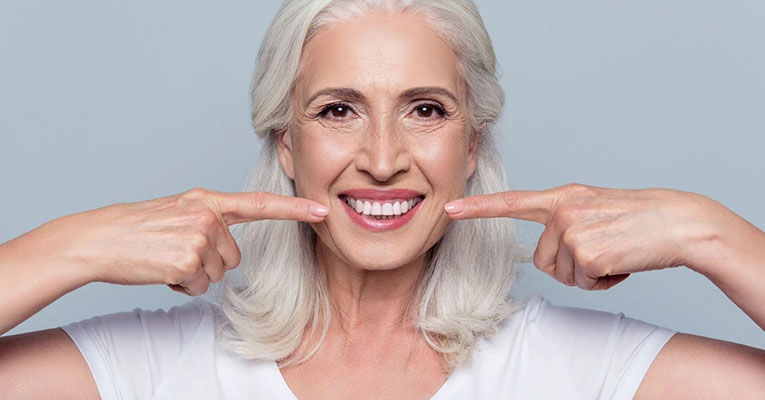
(382, 256)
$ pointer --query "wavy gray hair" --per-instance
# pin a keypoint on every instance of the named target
(278, 294)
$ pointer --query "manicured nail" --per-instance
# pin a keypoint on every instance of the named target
(454, 207)
(318, 210)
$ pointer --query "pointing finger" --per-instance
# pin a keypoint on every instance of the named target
(530, 205)
(253, 206)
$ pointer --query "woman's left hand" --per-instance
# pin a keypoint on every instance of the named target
(595, 237)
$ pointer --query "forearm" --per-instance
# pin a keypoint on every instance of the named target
(733, 258)
(33, 275)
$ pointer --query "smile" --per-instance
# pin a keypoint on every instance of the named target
(377, 210)
(381, 210)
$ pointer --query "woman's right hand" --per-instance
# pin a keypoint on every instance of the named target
(181, 240)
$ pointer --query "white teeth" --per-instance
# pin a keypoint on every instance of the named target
(387, 209)
(384, 210)
(376, 208)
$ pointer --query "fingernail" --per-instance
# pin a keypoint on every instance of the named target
(318, 210)
(454, 207)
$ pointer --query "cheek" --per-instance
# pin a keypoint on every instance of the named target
(443, 161)
(319, 159)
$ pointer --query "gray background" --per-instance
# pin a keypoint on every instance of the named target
(110, 101)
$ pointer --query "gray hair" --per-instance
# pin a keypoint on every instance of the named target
(278, 292)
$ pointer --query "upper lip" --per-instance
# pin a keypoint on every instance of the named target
(374, 194)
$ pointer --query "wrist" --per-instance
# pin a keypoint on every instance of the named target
(723, 240)
(44, 252)
(33, 276)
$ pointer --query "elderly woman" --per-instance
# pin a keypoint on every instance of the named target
(356, 281)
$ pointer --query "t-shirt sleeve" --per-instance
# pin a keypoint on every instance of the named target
(130, 352)
(607, 355)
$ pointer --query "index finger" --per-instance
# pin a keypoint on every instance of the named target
(253, 206)
(529, 205)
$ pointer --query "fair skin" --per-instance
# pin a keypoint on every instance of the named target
(382, 141)
(593, 237)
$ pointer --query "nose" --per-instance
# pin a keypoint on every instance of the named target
(384, 153)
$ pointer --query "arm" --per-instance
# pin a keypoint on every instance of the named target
(33, 276)
(732, 256)
(33, 365)
(181, 240)
(596, 237)
(695, 367)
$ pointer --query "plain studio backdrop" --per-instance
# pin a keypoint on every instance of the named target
(109, 101)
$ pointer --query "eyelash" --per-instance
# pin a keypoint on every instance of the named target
(323, 113)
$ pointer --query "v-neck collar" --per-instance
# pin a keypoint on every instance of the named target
(444, 392)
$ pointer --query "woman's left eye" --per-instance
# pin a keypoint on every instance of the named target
(426, 111)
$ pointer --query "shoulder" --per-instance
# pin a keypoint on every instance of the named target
(580, 326)
(587, 352)
(176, 325)
(130, 353)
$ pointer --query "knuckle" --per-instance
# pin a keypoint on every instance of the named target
(479, 207)
(298, 207)
(258, 201)
(199, 286)
(205, 219)
(580, 190)
(572, 187)
(537, 259)
(215, 275)
(198, 242)
(570, 238)
(541, 262)
(583, 283)
(563, 277)
(582, 256)
(565, 216)
(588, 258)
(237, 258)
(179, 271)
(195, 193)
(188, 263)
(511, 200)
(203, 287)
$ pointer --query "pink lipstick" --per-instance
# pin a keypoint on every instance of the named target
(381, 210)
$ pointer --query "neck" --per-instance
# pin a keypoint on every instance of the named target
(369, 303)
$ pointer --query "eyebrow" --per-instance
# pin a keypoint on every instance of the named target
(355, 95)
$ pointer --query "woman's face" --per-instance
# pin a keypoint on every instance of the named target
(379, 127)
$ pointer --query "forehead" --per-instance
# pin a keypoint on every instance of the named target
(378, 52)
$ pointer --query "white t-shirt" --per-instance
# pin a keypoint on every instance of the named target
(543, 351)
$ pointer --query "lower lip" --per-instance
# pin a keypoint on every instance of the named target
(380, 225)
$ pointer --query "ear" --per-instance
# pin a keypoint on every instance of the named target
(284, 149)
(472, 159)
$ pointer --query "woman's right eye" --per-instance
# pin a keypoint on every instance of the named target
(336, 111)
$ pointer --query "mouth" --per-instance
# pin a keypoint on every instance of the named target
(381, 210)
